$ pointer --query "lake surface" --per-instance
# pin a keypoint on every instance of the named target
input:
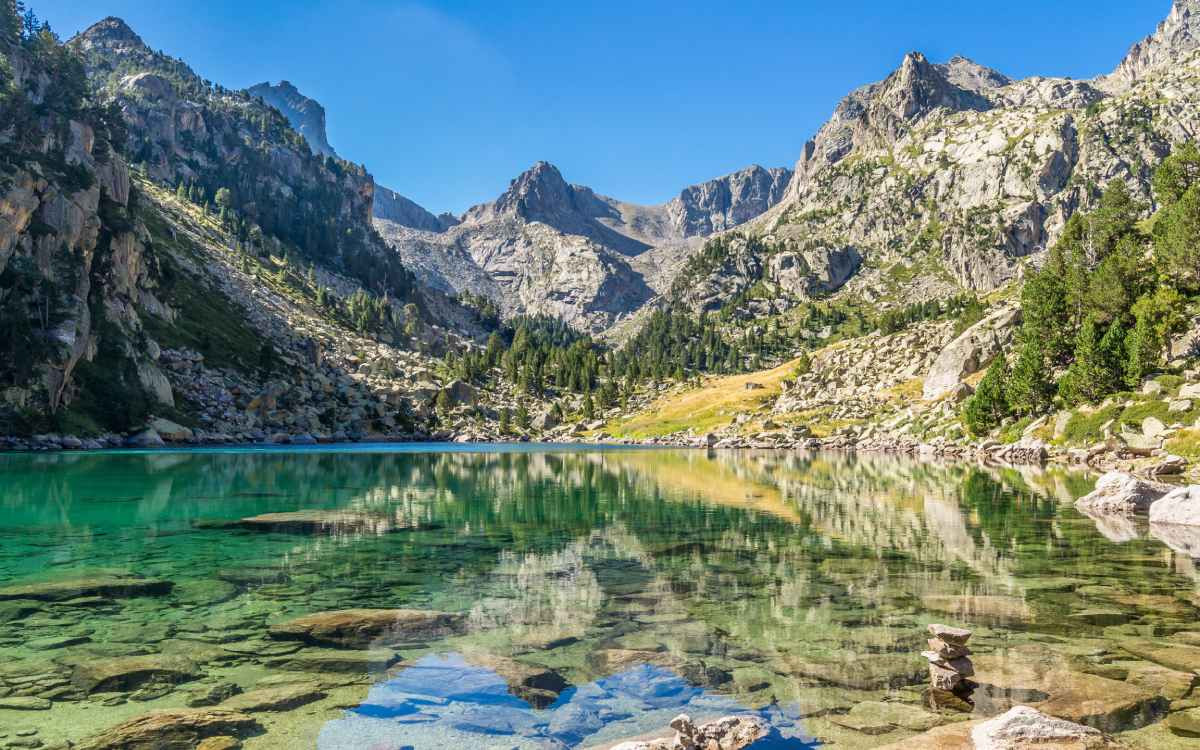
(604, 592)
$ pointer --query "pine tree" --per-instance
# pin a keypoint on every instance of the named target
(1143, 345)
(1094, 373)
(987, 407)
(1028, 390)
(504, 421)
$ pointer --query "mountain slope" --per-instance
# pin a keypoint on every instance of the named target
(549, 247)
(951, 177)
(307, 117)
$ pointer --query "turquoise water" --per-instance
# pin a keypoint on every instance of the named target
(604, 592)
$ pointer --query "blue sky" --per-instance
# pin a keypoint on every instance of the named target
(446, 102)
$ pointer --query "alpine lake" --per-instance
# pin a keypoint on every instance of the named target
(590, 595)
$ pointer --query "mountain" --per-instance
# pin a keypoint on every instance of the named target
(945, 177)
(1175, 39)
(548, 247)
(306, 116)
(227, 286)
(395, 208)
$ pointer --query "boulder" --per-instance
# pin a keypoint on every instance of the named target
(174, 729)
(726, 733)
(357, 628)
(275, 698)
(545, 421)
(1180, 506)
(106, 586)
(147, 438)
(461, 393)
(333, 522)
(131, 672)
(1025, 727)
(1118, 492)
(170, 431)
(970, 352)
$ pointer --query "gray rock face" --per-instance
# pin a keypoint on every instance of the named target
(971, 352)
(393, 207)
(960, 165)
(811, 272)
(726, 202)
(1175, 38)
(1117, 492)
(306, 116)
(1179, 507)
(546, 246)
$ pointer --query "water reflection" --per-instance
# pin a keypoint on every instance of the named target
(604, 589)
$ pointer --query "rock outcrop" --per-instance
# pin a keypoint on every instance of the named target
(1179, 507)
(1117, 492)
(971, 352)
(306, 116)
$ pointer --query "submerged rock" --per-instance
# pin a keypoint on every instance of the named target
(173, 730)
(314, 522)
(131, 672)
(355, 628)
(109, 586)
(537, 685)
(726, 733)
(335, 660)
(275, 698)
(1117, 492)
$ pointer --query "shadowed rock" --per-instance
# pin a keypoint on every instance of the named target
(130, 672)
(110, 586)
(173, 730)
(356, 628)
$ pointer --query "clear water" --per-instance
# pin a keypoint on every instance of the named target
(650, 582)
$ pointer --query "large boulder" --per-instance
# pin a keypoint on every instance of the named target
(1025, 727)
(1180, 506)
(170, 431)
(971, 352)
(1118, 492)
(357, 628)
(174, 729)
(116, 587)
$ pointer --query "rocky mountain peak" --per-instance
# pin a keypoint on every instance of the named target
(1175, 38)
(112, 33)
(538, 192)
(971, 76)
(306, 116)
(918, 87)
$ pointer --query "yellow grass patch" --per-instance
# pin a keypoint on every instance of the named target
(711, 406)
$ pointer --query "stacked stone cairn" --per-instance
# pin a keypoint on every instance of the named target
(949, 665)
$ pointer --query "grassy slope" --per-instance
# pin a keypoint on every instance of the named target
(713, 405)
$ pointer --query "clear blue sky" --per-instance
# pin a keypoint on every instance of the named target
(447, 101)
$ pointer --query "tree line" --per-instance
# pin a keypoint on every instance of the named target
(1099, 314)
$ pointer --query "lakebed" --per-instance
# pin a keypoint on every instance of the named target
(579, 596)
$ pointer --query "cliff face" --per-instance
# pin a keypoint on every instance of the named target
(306, 116)
(185, 131)
(74, 267)
(546, 246)
(944, 177)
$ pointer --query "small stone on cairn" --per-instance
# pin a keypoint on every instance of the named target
(948, 663)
